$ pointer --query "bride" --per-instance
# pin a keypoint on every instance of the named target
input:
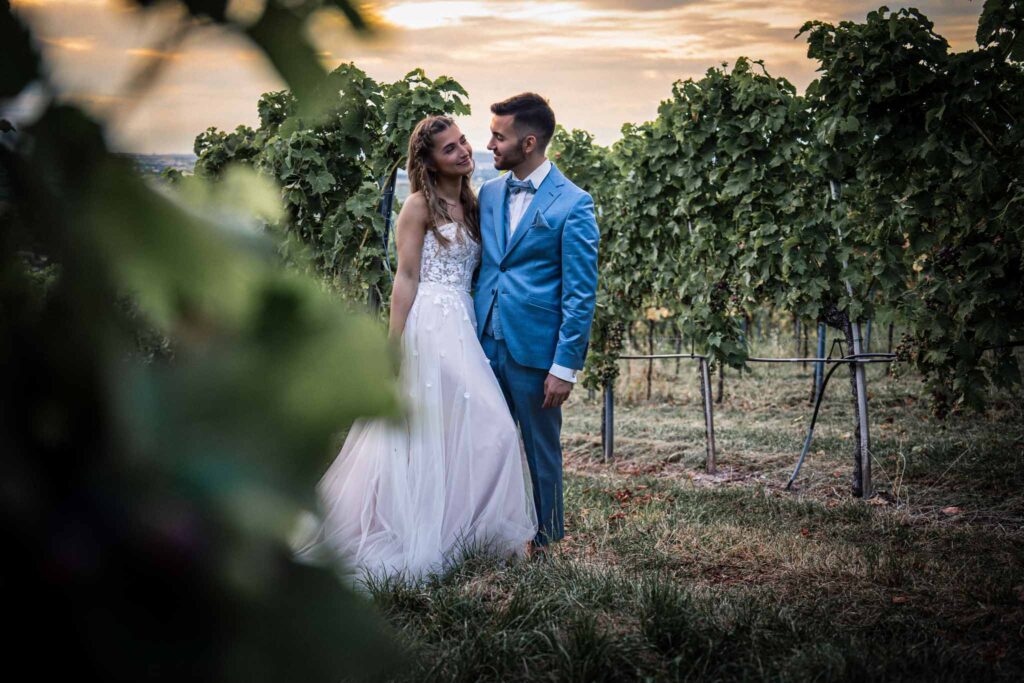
(407, 499)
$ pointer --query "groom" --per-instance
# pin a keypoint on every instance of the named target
(536, 289)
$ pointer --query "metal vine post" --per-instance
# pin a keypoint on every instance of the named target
(860, 377)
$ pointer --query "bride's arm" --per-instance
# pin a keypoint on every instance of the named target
(409, 235)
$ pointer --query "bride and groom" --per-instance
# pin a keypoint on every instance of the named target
(477, 462)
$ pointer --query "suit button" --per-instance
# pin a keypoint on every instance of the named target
(503, 269)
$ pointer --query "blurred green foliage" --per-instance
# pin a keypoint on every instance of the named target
(147, 498)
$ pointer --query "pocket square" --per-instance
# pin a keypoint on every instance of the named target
(539, 222)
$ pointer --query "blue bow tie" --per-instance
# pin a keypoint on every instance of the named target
(517, 186)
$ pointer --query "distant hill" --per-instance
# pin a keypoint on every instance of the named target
(484, 171)
(154, 164)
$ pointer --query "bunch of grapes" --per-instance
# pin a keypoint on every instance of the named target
(948, 258)
(607, 346)
(613, 337)
(906, 352)
(720, 296)
(906, 349)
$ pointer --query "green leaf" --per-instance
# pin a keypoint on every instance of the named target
(279, 32)
(20, 63)
(321, 182)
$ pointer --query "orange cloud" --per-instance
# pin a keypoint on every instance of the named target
(41, 3)
(247, 55)
(602, 62)
(150, 53)
(73, 44)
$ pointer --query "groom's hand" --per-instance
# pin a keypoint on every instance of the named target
(555, 391)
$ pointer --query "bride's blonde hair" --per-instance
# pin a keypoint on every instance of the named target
(423, 178)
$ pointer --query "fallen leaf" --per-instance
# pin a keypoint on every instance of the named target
(951, 510)
(805, 532)
(900, 599)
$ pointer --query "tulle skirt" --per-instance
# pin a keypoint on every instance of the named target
(407, 499)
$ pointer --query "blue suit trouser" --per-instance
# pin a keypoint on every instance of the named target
(541, 429)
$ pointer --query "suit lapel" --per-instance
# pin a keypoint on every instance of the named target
(546, 193)
(499, 218)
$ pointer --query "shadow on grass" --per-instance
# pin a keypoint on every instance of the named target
(565, 620)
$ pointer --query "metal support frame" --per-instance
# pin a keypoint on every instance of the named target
(861, 382)
(859, 374)
(709, 414)
(387, 201)
(608, 423)
(859, 360)
(819, 366)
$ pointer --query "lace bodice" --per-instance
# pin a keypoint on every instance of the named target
(452, 265)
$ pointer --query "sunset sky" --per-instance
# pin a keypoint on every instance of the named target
(601, 63)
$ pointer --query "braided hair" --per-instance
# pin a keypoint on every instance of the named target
(423, 178)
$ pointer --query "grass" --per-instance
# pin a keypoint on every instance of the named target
(669, 573)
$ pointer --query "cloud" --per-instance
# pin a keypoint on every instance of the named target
(50, 4)
(601, 62)
(642, 5)
(150, 53)
(619, 63)
(70, 43)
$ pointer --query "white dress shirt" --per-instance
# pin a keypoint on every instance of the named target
(517, 205)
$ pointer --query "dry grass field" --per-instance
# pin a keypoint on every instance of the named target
(669, 573)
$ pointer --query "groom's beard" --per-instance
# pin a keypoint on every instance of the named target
(511, 159)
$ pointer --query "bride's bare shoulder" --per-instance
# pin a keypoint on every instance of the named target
(415, 202)
(415, 211)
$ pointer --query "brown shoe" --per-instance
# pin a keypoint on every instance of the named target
(536, 552)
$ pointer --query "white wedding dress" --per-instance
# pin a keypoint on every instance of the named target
(408, 498)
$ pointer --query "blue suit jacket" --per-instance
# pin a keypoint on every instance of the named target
(545, 274)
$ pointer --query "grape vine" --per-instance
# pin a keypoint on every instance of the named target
(894, 182)
(332, 167)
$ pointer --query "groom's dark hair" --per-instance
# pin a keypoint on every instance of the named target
(532, 114)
